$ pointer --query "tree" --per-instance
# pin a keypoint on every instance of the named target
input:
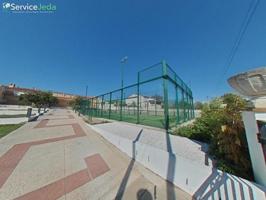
(38, 99)
(47, 99)
(198, 105)
(230, 142)
(75, 104)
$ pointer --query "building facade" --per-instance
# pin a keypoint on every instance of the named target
(10, 95)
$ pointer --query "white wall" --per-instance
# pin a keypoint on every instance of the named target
(16, 110)
(13, 120)
(200, 181)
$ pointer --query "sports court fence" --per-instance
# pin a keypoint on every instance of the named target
(160, 98)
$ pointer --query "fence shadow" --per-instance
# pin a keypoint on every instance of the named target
(124, 181)
(170, 169)
(220, 185)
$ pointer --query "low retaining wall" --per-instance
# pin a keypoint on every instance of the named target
(200, 181)
(18, 120)
(13, 120)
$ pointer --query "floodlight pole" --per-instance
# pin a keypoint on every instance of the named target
(123, 62)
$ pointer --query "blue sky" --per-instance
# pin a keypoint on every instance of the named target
(83, 41)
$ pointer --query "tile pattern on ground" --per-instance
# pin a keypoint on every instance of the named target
(96, 166)
(12, 157)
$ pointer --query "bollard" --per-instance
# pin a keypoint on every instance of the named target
(29, 112)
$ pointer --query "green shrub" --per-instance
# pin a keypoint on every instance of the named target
(185, 131)
(221, 126)
(204, 128)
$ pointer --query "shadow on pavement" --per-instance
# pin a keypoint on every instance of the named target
(170, 173)
(171, 170)
(123, 184)
(223, 184)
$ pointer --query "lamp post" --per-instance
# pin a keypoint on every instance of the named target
(123, 62)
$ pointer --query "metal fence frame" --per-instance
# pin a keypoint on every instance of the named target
(95, 106)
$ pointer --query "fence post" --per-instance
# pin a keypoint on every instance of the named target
(138, 99)
(89, 109)
(165, 91)
(121, 101)
(93, 108)
(102, 106)
(193, 109)
(188, 117)
(190, 100)
(86, 106)
(189, 107)
(183, 105)
(177, 105)
(186, 105)
(110, 101)
(155, 107)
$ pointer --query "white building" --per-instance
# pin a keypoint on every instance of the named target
(144, 101)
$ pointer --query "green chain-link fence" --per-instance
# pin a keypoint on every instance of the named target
(160, 98)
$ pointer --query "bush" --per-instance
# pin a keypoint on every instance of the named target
(221, 126)
(185, 131)
(204, 128)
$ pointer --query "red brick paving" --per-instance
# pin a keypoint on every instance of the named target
(12, 157)
(44, 122)
(66, 185)
(69, 117)
(96, 165)
(10, 160)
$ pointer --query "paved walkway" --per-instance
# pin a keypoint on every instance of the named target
(59, 157)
